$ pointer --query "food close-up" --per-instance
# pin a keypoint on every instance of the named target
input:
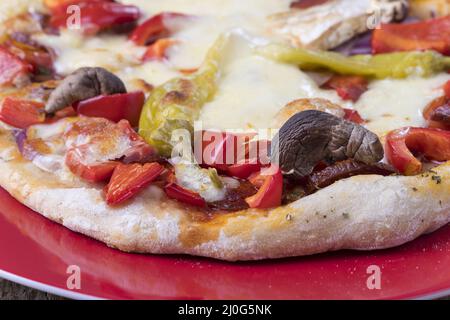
(138, 135)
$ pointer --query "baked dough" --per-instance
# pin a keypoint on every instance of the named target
(362, 212)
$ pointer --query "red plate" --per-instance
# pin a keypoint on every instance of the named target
(33, 248)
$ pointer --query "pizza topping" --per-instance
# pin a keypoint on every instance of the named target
(97, 142)
(205, 182)
(157, 51)
(114, 107)
(345, 169)
(300, 105)
(96, 16)
(312, 136)
(353, 115)
(39, 57)
(331, 23)
(129, 179)
(157, 27)
(347, 87)
(176, 192)
(442, 114)
(432, 143)
(83, 84)
(437, 113)
(270, 184)
(387, 65)
(13, 70)
(177, 103)
(97, 172)
(235, 197)
(21, 113)
(447, 89)
(433, 34)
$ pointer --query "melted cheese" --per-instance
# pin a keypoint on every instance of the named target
(390, 104)
(10, 9)
(252, 89)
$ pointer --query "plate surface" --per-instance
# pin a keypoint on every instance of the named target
(37, 252)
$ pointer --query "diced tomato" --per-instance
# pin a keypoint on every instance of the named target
(98, 15)
(433, 34)
(157, 27)
(176, 192)
(157, 51)
(93, 172)
(270, 189)
(130, 179)
(431, 110)
(12, 67)
(353, 115)
(21, 113)
(434, 144)
(347, 87)
(114, 107)
(447, 89)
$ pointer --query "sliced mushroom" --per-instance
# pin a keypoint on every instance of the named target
(83, 84)
(334, 22)
(345, 169)
(312, 136)
(300, 105)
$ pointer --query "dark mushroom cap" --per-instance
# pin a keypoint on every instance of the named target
(84, 83)
(312, 136)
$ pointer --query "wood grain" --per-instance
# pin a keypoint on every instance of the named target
(13, 291)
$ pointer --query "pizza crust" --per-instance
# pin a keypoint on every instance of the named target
(362, 213)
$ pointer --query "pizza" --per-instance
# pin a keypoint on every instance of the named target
(236, 130)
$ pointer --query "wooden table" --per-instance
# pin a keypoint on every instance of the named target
(12, 291)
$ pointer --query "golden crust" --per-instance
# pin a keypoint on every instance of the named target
(395, 210)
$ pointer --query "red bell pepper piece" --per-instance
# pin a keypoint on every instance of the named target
(114, 107)
(347, 87)
(11, 67)
(447, 89)
(176, 192)
(155, 28)
(222, 149)
(130, 179)
(270, 189)
(433, 34)
(401, 143)
(25, 49)
(90, 172)
(435, 113)
(353, 115)
(157, 51)
(61, 5)
(94, 146)
(98, 15)
(21, 113)
(243, 170)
